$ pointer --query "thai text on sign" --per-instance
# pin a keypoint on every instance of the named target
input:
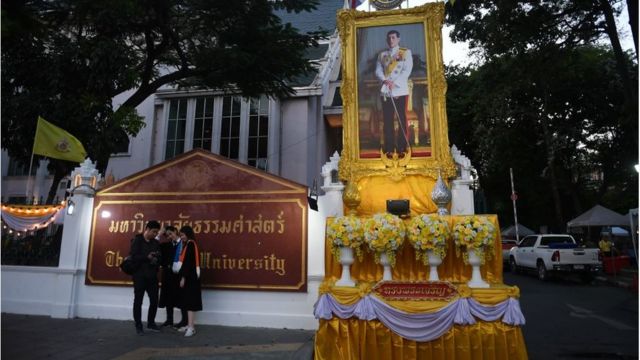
(432, 290)
(244, 243)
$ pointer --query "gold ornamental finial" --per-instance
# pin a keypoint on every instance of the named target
(351, 197)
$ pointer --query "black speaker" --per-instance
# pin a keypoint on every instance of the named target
(398, 207)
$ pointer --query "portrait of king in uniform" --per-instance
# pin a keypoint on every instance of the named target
(392, 91)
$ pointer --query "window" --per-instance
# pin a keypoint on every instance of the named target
(529, 241)
(177, 122)
(258, 133)
(230, 133)
(18, 168)
(203, 127)
(232, 126)
(548, 240)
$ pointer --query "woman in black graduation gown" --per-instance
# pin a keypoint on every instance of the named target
(190, 292)
(170, 290)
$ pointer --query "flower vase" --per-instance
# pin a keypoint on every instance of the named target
(346, 259)
(386, 264)
(475, 260)
(434, 262)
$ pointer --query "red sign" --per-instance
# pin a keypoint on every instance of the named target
(399, 290)
(250, 226)
(514, 196)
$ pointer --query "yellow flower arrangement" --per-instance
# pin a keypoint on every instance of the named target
(345, 231)
(474, 233)
(429, 232)
(384, 233)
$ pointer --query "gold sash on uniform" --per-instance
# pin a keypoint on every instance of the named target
(392, 65)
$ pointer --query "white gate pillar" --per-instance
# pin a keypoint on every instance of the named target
(75, 239)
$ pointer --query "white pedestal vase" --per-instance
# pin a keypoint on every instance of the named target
(384, 261)
(346, 259)
(476, 277)
(434, 262)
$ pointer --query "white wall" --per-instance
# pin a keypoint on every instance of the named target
(43, 291)
(140, 147)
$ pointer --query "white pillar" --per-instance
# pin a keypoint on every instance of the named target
(461, 193)
(331, 202)
(461, 197)
(75, 241)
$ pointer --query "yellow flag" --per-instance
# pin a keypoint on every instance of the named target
(53, 142)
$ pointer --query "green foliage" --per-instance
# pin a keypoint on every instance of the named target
(552, 97)
(553, 116)
(67, 60)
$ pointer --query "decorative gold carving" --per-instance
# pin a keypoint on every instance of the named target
(351, 197)
(353, 168)
(396, 166)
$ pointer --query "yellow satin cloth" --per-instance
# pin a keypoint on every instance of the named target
(416, 188)
(360, 339)
(339, 339)
(452, 269)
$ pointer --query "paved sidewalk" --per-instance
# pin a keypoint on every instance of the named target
(40, 337)
(626, 278)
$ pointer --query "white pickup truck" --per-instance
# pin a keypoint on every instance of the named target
(554, 253)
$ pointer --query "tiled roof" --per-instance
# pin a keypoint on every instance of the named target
(323, 18)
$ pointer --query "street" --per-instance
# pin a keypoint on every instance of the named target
(570, 320)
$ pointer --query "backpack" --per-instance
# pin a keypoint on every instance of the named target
(128, 266)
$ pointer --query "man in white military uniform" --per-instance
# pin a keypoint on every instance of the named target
(393, 68)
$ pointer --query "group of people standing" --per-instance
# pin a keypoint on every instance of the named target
(174, 253)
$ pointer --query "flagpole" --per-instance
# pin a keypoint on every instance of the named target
(26, 191)
(514, 197)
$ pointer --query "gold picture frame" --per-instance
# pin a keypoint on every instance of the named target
(364, 36)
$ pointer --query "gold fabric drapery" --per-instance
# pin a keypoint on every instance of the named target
(416, 188)
(360, 339)
(371, 340)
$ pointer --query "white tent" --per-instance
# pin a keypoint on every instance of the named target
(599, 216)
(618, 231)
(510, 232)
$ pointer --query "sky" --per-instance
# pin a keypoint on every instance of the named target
(458, 53)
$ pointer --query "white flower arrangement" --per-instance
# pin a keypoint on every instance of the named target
(474, 233)
(429, 232)
(384, 233)
(345, 231)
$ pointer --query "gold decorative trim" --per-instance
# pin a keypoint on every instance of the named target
(303, 259)
(352, 167)
(294, 188)
(195, 193)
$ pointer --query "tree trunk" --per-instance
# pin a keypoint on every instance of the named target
(621, 61)
(632, 10)
(553, 179)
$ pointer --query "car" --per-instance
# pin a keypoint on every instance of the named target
(507, 244)
(548, 254)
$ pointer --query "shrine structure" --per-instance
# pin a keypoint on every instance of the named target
(412, 282)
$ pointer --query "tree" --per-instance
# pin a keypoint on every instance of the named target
(67, 60)
(541, 68)
(552, 117)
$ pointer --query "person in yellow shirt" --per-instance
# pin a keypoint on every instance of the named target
(605, 245)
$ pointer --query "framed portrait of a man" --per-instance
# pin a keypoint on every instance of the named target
(393, 92)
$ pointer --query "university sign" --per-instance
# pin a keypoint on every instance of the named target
(251, 227)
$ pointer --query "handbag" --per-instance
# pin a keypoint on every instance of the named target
(128, 266)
